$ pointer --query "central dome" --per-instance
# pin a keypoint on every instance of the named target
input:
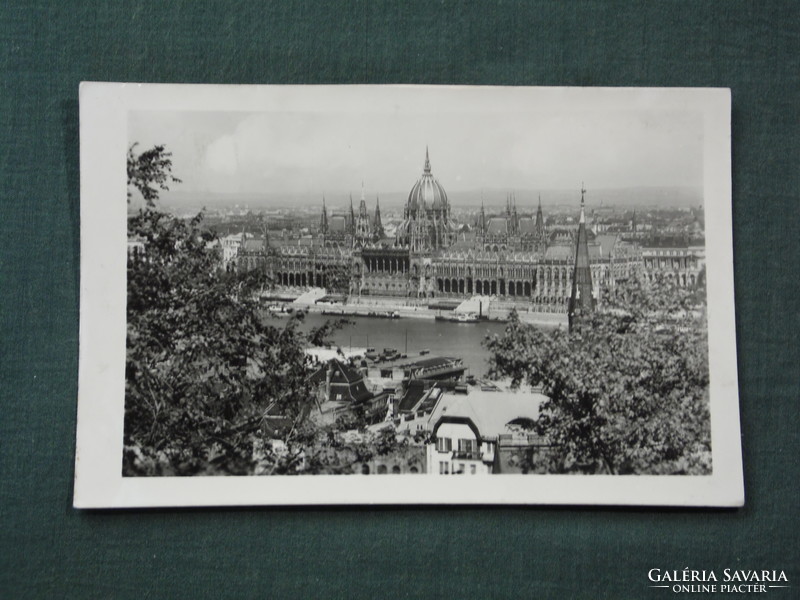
(427, 193)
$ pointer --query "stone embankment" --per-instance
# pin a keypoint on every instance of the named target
(419, 309)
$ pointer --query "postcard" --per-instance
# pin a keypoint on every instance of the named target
(363, 294)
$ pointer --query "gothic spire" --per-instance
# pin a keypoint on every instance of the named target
(514, 215)
(427, 160)
(377, 225)
(362, 205)
(482, 218)
(581, 297)
(539, 225)
(323, 221)
(352, 216)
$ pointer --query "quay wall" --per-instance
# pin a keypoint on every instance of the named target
(418, 309)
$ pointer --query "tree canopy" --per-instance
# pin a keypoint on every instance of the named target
(211, 385)
(627, 387)
(205, 373)
(150, 172)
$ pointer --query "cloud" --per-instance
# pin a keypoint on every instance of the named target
(221, 156)
(332, 151)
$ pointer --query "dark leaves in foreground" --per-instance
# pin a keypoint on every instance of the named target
(627, 388)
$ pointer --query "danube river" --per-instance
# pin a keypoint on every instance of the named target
(409, 336)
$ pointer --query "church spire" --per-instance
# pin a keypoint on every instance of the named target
(482, 218)
(265, 231)
(362, 205)
(514, 215)
(427, 160)
(352, 217)
(581, 297)
(323, 220)
(539, 225)
(362, 225)
(377, 225)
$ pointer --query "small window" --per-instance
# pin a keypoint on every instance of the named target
(467, 445)
(444, 468)
(444, 444)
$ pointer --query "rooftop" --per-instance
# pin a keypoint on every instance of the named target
(489, 411)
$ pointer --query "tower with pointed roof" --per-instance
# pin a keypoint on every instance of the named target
(539, 233)
(351, 225)
(514, 215)
(538, 227)
(377, 224)
(426, 219)
(581, 299)
(363, 228)
(482, 219)
(323, 220)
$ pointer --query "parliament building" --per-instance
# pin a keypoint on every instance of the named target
(512, 257)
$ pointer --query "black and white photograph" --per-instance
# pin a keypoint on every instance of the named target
(406, 295)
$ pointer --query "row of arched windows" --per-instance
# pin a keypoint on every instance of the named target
(382, 469)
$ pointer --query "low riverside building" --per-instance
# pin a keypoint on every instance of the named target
(431, 368)
(676, 259)
(342, 391)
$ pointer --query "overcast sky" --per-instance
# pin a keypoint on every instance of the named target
(297, 151)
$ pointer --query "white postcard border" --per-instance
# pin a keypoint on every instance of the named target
(104, 109)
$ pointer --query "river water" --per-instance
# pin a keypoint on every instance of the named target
(442, 338)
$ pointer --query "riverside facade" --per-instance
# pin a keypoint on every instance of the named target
(510, 256)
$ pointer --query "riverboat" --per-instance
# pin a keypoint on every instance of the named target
(443, 367)
(393, 314)
(460, 318)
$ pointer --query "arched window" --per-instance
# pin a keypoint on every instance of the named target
(381, 469)
(395, 470)
(365, 469)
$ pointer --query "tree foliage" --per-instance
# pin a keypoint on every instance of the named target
(212, 386)
(627, 387)
(207, 378)
(150, 172)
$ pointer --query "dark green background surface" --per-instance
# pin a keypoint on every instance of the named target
(47, 549)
